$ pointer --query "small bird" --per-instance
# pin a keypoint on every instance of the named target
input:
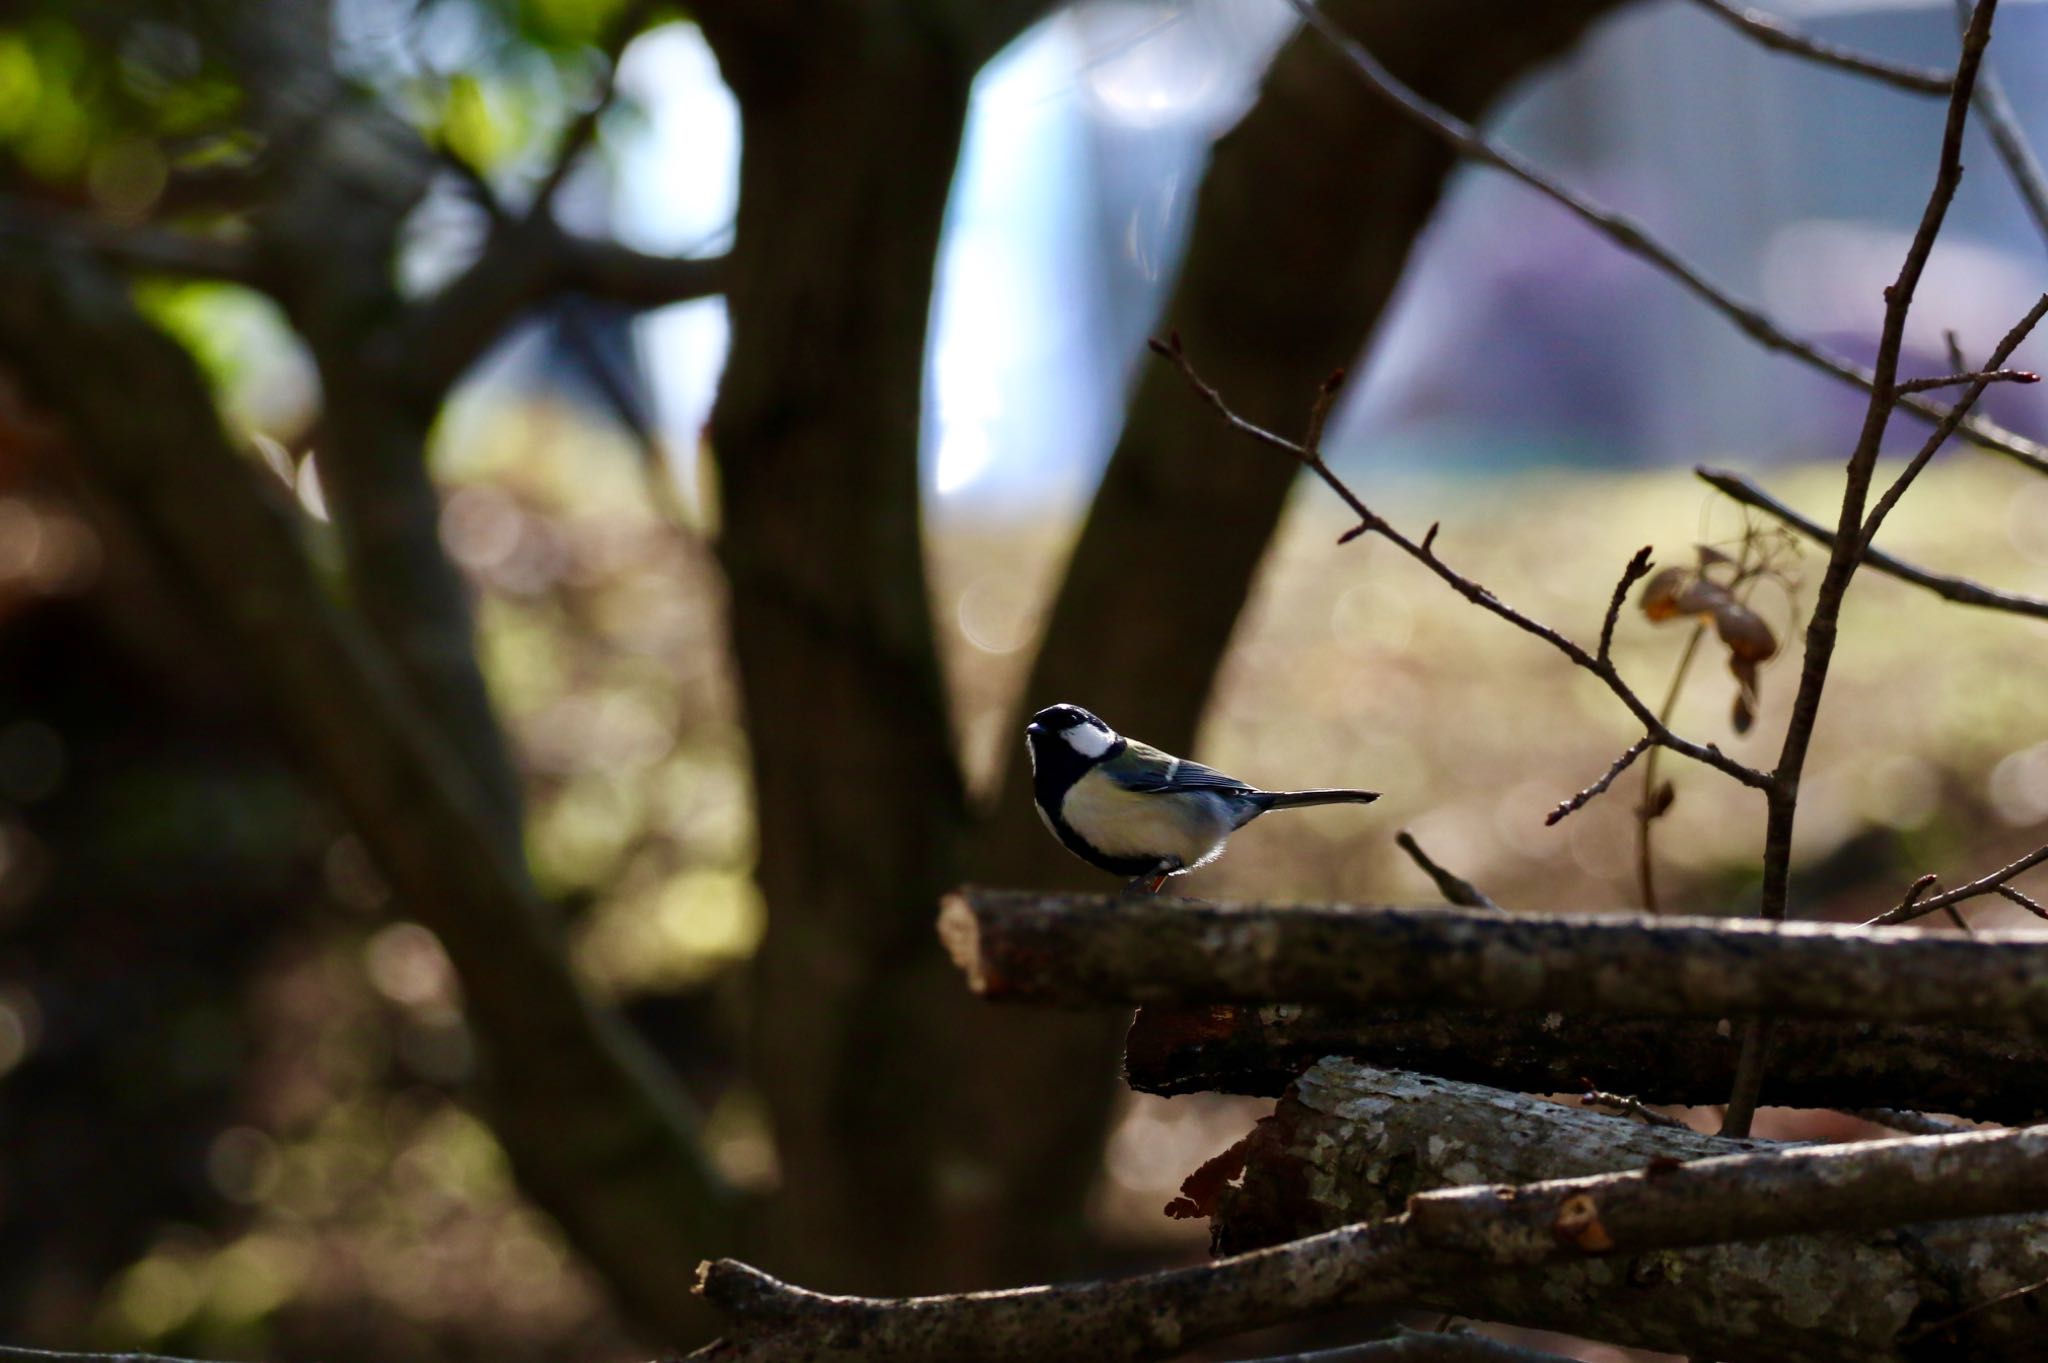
(1136, 811)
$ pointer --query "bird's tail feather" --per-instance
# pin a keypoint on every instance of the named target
(1294, 799)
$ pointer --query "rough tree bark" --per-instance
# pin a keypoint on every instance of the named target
(1985, 1073)
(1352, 1143)
(1093, 949)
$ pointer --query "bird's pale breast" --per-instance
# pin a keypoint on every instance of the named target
(1125, 823)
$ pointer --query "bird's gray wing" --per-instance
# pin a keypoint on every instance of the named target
(1141, 767)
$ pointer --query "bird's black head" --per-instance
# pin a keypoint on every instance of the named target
(1065, 740)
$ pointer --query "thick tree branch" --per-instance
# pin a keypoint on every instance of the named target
(1986, 1073)
(595, 1130)
(1958, 589)
(1444, 1239)
(1350, 1143)
(524, 263)
(1631, 237)
(1098, 949)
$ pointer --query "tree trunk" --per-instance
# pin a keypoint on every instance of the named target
(850, 146)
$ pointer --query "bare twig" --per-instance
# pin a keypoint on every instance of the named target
(1947, 425)
(1980, 376)
(2003, 124)
(1593, 1097)
(1656, 799)
(1774, 33)
(1937, 1326)
(1631, 236)
(1852, 534)
(1958, 589)
(1370, 522)
(582, 129)
(1619, 765)
(1914, 907)
(2027, 902)
(1638, 567)
(1454, 889)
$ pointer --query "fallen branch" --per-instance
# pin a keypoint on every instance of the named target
(1022, 947)
(1981, 1073)
(1917, 905)
(1350, 1143)
(1445, 1239)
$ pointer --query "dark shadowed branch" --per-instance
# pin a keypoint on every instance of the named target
(1958, 589)
(1985, 1073)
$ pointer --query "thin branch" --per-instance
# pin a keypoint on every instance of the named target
(1444, 1237)
(582, 130)
(2021, 376)
(1946, 427)
(1593, 1097)
(1996, 111)
(1852, 535)
(1453, 888)
(1631, 237)
(1616, 768)
(1090, 950)
(1994, 883)
(1772, 32)
(1370, 522)
(1657, 799)
(1935, 1327)
(1638, 568)
(2027, 902)
(1958, 589)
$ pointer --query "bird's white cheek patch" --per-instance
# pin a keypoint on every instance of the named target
(1087, 740)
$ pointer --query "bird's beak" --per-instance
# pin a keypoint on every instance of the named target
(1034, 728)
